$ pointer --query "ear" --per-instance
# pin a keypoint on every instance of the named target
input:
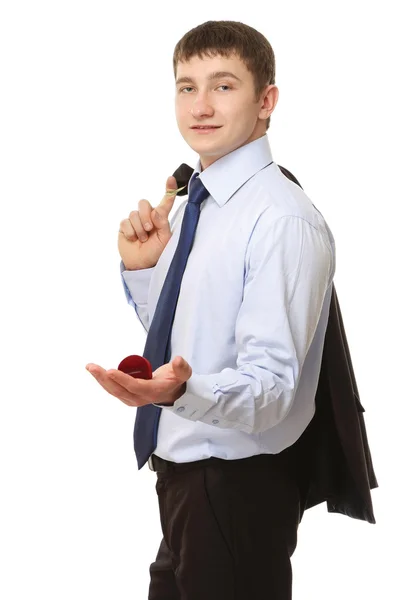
(269, 98)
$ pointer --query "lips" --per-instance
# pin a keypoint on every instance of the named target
(206, 127)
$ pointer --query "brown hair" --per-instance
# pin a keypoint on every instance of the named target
(225, 38)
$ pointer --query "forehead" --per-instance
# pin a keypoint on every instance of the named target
(202, 66)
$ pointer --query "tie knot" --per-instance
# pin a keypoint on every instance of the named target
(198, 192)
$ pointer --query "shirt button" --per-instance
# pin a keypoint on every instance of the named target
(215, 421)
(180, 409)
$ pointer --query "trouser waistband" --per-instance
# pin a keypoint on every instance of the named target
(161, 465)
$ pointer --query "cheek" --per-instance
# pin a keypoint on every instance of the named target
(238, 110)
(181, 112)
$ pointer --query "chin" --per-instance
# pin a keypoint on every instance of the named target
(210, 147)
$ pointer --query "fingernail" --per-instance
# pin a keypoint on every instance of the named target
(147, 226)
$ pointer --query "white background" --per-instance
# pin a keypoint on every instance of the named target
(87, 129)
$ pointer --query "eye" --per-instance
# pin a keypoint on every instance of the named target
(225, 86)
(185, 88)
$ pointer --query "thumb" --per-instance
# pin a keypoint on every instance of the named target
(181, 368)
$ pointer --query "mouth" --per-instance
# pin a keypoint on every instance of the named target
(205, 128)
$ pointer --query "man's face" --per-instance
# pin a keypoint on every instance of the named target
(219, 92)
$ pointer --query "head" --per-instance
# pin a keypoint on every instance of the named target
(225, 75)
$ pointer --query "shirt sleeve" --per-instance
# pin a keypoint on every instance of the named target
(289, 267)
(136, 286)
(136, 283)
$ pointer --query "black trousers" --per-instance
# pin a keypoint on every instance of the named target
(229, 527)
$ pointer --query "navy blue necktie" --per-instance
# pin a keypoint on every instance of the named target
(157, 350)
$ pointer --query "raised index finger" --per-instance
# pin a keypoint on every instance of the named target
(169, 196)
(174, 192)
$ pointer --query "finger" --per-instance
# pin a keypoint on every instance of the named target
(145, 210)
(95, 369)
(110, 386)
(173, 192)
(145, 390)
(164, 208)
(137, 225)
(133, 385)
(127, 230)
(181, 368)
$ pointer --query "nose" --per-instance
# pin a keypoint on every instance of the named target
(201, 108)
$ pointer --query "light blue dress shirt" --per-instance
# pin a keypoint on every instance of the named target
(251, 315)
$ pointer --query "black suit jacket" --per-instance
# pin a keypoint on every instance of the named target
(332, 458)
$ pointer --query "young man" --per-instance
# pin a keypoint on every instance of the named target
(247, 335)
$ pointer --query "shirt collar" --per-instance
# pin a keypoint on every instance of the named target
(227, 174)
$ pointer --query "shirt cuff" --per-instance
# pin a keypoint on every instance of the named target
(136, 284)
(200, 403)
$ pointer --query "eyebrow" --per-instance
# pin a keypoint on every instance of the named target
(211, 76)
